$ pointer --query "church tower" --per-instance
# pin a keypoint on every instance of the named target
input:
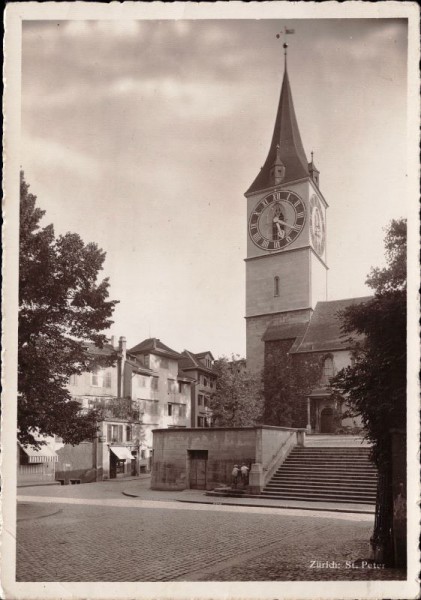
(286, 271)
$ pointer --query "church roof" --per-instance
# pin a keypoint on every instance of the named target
(284, 331)
(324, 329)
(155, 346)
(286, 135)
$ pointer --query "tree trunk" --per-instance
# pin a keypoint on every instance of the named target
(382, 538)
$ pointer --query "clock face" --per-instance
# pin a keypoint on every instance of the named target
(317, 225)
(277, 220)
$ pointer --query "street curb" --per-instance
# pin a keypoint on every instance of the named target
(314, 508)
(249, 505)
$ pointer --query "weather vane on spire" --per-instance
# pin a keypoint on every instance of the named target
(285, 32)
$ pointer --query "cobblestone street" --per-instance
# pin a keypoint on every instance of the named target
(121, 539)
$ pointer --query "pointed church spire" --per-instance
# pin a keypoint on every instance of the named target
(286, 136)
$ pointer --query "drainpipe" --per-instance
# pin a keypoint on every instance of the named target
(121, 363)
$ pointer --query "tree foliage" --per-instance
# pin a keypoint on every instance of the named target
(288, 380)
(375, 385)
(237, 401)
(62, 309)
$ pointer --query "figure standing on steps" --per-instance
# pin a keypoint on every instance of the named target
(234, 475)
(244, 474)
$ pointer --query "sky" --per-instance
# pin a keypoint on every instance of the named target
(143, 136)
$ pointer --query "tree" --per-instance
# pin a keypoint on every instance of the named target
(237, 401)
(375, 385)
(62, 309)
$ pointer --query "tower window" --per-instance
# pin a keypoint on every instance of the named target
(276, 286)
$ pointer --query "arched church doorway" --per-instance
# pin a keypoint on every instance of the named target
(326, 420)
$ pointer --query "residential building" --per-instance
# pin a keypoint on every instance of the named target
(200, 368)
(169, 403)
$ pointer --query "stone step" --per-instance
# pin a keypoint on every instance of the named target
(331, 497)
(313, 498)
(322, 481)
(328, 463)
(328, 478)
(326, 471)
(321, 486)
(337, 450)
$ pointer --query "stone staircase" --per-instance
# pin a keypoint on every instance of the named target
(325, 473)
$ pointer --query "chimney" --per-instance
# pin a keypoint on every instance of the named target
(112, 341)
(122, 346)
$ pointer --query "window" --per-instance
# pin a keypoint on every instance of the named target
(206, 401)
(95, 378)
(107, 379)
(200, 400)
(200, 421)
(142, 454)
(114, 433)
(154, 383)
(164, 363)
(328, 370)
(73, 380)
(276, 286)
(128, 433)
(141, 381)
(172, 386)
(205, 381)
(169, 410)
(182, 411)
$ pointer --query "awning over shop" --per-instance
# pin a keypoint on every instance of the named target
(44, 454)
(121, 452)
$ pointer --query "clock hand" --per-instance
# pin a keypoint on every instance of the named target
(277, 220)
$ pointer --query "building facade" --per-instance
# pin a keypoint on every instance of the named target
(200, 368)
(286, 269)
(143, 390)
